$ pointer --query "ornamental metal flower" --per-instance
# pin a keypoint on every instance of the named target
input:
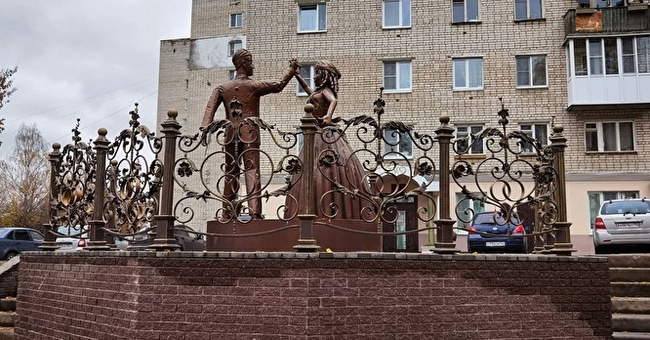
(184, 169)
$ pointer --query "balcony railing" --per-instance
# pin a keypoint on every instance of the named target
(607, 20)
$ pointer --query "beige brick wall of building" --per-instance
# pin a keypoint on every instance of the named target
(357, 44)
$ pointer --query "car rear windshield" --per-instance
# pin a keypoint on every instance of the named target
(492, 219)
(625, 207)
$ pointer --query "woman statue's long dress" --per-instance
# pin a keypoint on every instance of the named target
(334, 160)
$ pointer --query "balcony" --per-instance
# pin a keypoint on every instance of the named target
(613, 20)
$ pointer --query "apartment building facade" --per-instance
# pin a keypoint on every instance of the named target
(584, 65)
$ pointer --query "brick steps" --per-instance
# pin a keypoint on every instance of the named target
(631, 336)
(631, 322)
(7, 333)
(631, 289)
(630, 295)
(630, 274)
(633, 305)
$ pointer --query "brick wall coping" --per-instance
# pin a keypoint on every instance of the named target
(9, 264)
(336, 255)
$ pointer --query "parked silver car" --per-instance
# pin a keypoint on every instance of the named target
(187, 238)
(622, 222)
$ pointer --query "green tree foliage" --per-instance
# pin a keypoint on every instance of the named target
(6, 85)
(24, 180)
(6, 89)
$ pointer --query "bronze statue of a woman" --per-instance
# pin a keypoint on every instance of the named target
(330, 143)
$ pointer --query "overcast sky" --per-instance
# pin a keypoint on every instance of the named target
(87, 59)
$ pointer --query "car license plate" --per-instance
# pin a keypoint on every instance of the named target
(628, 225)
(495, 244)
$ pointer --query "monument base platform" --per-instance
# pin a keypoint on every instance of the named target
(276, 235)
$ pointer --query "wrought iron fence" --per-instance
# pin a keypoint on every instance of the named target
(325, 184)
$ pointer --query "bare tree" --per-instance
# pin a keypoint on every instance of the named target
(24, 180)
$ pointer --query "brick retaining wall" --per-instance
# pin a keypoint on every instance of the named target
(291, 296)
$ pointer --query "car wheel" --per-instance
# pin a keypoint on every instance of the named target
(11, 255)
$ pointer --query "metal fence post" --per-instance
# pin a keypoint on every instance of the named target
(563, 245)
(306, 212)
(49, 243)
(97, 225)
(164, 220)
(445, 243)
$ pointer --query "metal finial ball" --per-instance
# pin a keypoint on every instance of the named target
(444, 119)
(309, 108)
(56, 146)
(172, 113)
(557, 128)
(102, 132)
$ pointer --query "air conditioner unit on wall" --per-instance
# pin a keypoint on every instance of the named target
(584, 3)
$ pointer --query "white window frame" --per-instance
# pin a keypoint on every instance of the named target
(603, 196)
(232, 46)
(404, 5)
(465, 14)
(531, 71)
(465, 64)
(531, 131)
(599, 57)
(399, 74)
(321, 9)
(392, 142)
(310, 80)
(598, 129)
(236, 20)
(528, 14)
(465, 130)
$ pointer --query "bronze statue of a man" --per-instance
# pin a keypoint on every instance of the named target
(246, 91)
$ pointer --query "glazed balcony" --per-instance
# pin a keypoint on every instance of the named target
(609, 20)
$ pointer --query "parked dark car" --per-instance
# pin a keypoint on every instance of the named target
(187, 238)
(500, 238)
(15, 240)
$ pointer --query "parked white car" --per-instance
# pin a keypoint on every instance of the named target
(622, 222)
(76, 238)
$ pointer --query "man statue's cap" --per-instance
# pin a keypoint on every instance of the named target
(240, 54)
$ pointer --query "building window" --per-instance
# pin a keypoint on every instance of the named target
(312, 18)
(601, 56)
(609, 136)
(397, 144)
(397, 76)
(538, 132)
(468, 74)
(466, 209)
(307, 73)
(397, 13)
(531, 71)
(596, 198)
(465, 11)
(236, 20)
(643, 54)
(232, 74)
(234, 46)
(528, 9)
(466, 143)
(300, 140)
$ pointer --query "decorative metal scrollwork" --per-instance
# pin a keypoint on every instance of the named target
(73, 188)
(516, 170)
(134, 177)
